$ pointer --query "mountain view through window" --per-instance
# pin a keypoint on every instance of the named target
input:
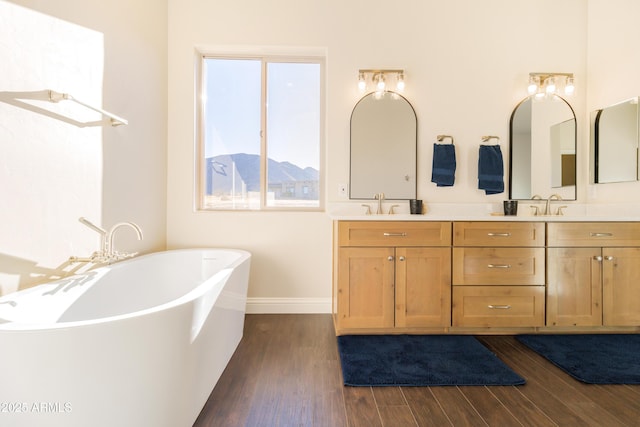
(261, 129)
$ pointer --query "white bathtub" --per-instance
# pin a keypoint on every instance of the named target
(138, 343)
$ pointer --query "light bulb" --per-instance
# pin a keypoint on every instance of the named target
(569, 88)
(362, 82)
(533, 85)
(400, 83)
(380, 84)
(551, 85)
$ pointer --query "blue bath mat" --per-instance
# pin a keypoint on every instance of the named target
(420, 360)
(593, 359)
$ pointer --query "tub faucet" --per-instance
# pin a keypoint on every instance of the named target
(106, 254)
(110, 252)
(101, 231)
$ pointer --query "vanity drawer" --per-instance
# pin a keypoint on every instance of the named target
(569, 234)
(498, 306)
(394, 233)
(491, 233)
(498, 266)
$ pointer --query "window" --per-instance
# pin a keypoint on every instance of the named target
(260, 133)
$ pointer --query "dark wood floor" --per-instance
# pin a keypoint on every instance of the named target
(286, 372)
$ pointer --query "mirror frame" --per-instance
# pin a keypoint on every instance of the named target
(389, 151)
(596, 143)
(575, 144)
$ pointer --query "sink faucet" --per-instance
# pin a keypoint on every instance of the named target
(379, 197)
(110, 251)
(547, 208)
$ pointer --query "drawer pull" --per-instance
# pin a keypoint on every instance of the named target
(499, 234)
(499, 265)
(499, 307)
(601, 234)
(395, 234)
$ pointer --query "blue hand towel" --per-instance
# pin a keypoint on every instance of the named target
(443, 172)
(490, 169)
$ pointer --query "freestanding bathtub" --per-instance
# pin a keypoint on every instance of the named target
(138, 343)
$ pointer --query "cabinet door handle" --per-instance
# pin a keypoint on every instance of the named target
(601, 234)
(491, 234)
(597, 258)
(608, 258)
(394, 234)
(401, 258)
(499, 265)
(390, 258)
(499, 307)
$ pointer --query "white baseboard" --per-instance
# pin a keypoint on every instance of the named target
(288, 305)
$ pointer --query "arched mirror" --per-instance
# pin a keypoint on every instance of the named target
(383, 147)
(542, 155)
(615, 143)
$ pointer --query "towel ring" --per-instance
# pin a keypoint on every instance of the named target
(490, 137)
(441, 137)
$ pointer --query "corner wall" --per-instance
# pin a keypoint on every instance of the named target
(108, 54)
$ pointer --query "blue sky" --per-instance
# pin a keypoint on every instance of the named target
(233, 110)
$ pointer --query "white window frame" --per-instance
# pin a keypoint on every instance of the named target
(265, 56)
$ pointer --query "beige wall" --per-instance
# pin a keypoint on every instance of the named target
(110, 54)
(613, 74)
(467, 63)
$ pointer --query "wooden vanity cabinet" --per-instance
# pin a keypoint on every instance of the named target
(390, 275)
(593, 271)
(498, 274)
(463, 277)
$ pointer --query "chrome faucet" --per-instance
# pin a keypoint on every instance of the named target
(379, 197)
(547, 208)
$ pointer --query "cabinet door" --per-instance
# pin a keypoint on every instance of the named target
(574, 288)
(621, 285)
(365, 287)
(423, 287)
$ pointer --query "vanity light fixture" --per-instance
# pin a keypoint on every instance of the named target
(381, 79)
(551, 85)
(569, 88)
(362, 82)
(541, 84)
(400, 82)
(380, 82)
(533, 84)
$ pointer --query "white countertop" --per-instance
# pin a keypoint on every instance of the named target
(353, 211)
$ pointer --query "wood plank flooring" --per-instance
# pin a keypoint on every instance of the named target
(286, 372)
